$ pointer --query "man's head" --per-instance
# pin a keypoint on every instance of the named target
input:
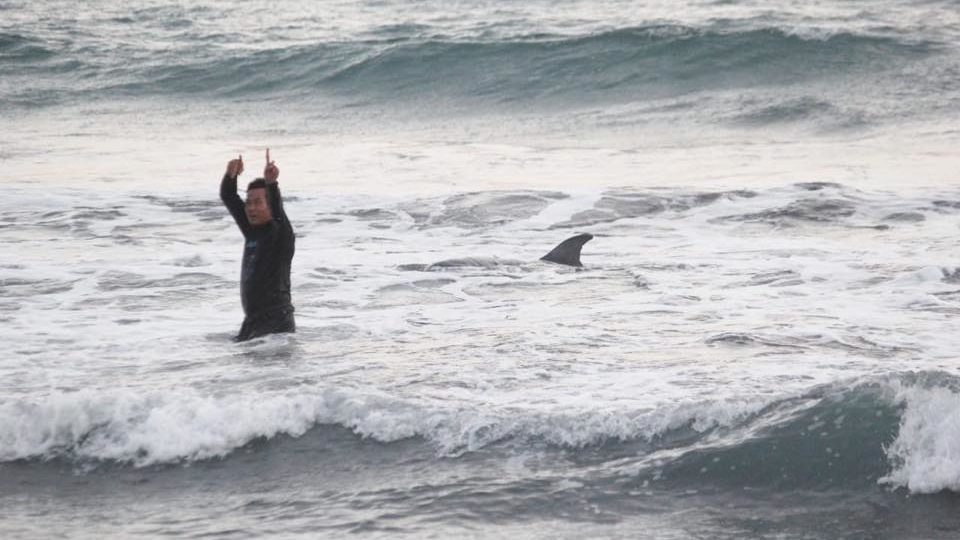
(258, 206)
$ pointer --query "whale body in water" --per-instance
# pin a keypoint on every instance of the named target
(566, 253)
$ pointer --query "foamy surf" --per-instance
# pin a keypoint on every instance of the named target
(760, 343)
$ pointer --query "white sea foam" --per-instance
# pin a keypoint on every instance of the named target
(926, 452)
(119, 268)
(732, 314)
(181, 425)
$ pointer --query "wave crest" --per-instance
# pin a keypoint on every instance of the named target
(144, 429)
(902, 431)
(926, 452)
(617, 66)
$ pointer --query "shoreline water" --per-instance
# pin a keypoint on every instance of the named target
(760, 345)
(363, 166)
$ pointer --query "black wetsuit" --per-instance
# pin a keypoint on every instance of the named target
(265, 271)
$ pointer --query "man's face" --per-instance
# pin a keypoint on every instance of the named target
(258, 211)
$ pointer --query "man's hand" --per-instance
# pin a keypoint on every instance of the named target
(235, 167)
(270, 172)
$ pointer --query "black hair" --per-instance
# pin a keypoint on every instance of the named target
(259, 183)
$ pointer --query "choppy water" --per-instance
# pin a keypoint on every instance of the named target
(761, 344)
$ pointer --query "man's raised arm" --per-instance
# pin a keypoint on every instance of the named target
(229, 196)
(270, 174)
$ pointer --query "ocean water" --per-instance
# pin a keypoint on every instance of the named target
(762, 342)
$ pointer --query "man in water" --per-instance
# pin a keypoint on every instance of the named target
(267, 252)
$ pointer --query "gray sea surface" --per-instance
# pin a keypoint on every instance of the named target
(761, 342)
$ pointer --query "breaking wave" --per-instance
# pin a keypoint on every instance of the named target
(898, 430)
(409, 64)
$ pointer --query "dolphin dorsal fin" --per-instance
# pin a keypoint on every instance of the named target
(568, 251)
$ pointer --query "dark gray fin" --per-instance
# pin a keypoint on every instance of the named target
(568, 251)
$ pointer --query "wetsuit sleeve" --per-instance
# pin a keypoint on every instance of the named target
(279, 216)
(233, 202)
